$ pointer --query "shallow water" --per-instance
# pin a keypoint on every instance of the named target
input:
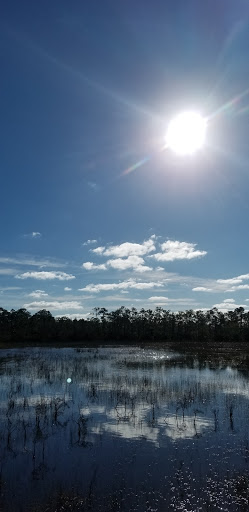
(143, 429)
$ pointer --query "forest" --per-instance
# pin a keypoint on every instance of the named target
(126, 325)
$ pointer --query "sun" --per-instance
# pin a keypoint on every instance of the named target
(186, 133)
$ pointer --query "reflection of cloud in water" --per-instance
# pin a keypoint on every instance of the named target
(146, 355)
(131, 391)
(93, 409)
(130, 431)
(237, 391)
(123, 422)
(34, 400)
(139, 424)
(187, 428)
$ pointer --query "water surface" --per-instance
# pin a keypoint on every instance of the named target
(124, 428)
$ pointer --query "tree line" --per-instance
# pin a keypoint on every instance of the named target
(126, 324)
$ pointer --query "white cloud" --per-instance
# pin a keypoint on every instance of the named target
(239, 287)
(166, 300)
(38, 294)
(98, 250)
(90, 242)
(88, 265)
(132, 262)
(34, 234)
(27, 260)
(201, 289)
(229, 305)
(7, 271)
(53, 305)
(127, 249)
(10, 288)
(67, 289)
(175, 250)
(130, 249)
(61, 276)
(129, 255)
(124, 285)
(233, 280)
(156, 299)
(73, 316)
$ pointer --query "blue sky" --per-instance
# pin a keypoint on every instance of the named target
(87, 92)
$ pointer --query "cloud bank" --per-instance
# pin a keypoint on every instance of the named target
(127, 249)
(175, 250)
(38, 294)
(131, 256)
(124, 285)
(54, 305)
(61, 276)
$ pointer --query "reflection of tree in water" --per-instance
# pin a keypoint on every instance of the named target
(125, 407)
(81, 423)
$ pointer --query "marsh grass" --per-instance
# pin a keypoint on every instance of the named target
(133, 428)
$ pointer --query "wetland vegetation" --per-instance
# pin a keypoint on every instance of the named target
(121, 428)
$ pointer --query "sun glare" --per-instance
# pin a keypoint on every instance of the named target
(186, 133)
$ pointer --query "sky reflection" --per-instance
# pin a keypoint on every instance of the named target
(125, 400)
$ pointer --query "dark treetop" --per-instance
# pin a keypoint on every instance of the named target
(126, 325)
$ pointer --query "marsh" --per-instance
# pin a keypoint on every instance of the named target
(124, 428)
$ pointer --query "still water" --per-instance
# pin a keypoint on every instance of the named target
(124, 428)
